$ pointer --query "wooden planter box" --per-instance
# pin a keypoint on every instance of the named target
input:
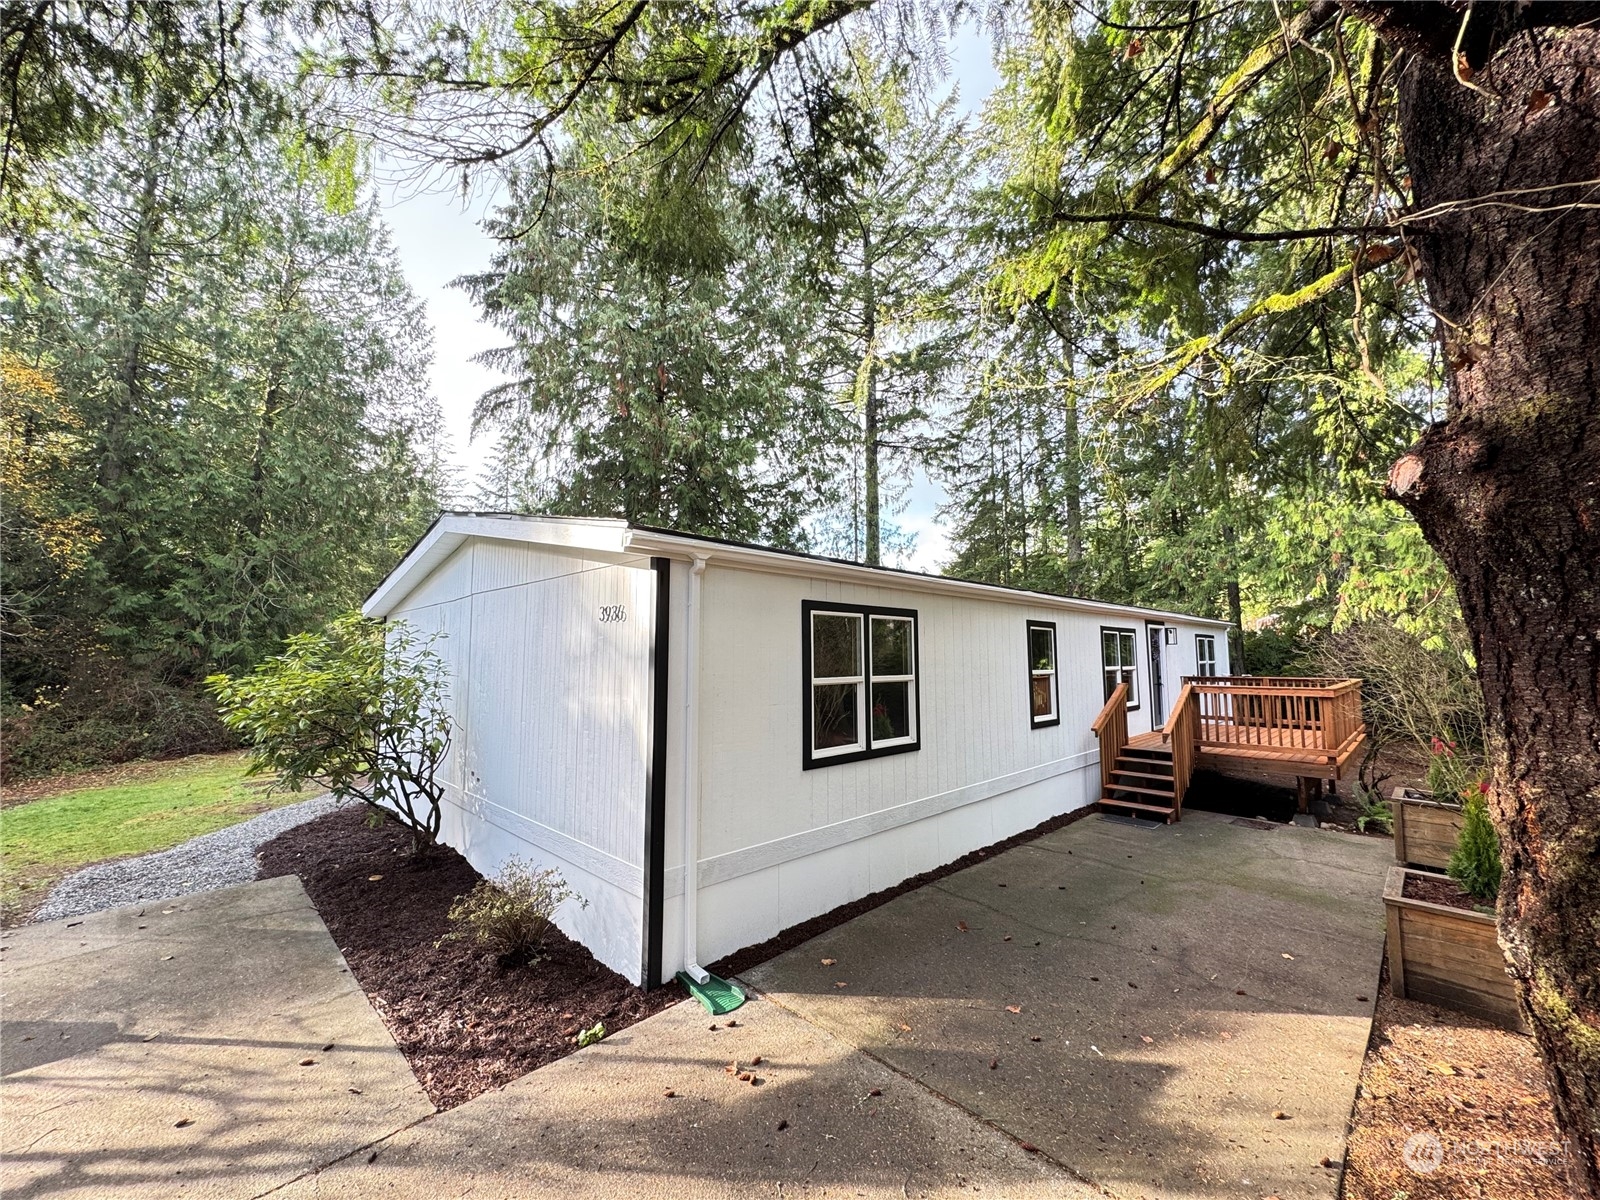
(1425, 830)
(1447, 956)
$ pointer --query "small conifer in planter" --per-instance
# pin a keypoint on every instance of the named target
(1475, 865)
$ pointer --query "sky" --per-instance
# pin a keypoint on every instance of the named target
(439, 237)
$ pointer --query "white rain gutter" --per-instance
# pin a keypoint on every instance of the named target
(691, 773)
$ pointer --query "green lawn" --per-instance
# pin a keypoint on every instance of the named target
(42, 840)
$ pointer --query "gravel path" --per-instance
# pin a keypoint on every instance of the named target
(212, 860)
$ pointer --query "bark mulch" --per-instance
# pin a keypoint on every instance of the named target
(1450, 1108)
(464, 1024)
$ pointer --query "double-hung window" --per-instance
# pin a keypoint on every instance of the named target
(1118, 662)
(861, 682)
(1044, 693)
(1205, 654)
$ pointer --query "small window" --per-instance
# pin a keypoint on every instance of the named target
(1205, 654)
(861, 682)
(1117, 658)
(1044, 695)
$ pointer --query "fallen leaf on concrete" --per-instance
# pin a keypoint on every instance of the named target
(1361, 1000)
(1443, 1068)
(166, 958)
(1146, 1039)
(733, 1024)
(1013, 1008)
(1007, 938)
(715, 1026)
(327, 1048)
(962, 926)
(374, 878)
(875, 1092)
(354, 1091)
(1290, 957)
(669, 1094)
(1240, 992)
(783, 1124)
(744, 1076)
(149, 1037)
(308, 1062)
(994, 1064)
(838, 983)
(1279, 1115)
(1036, 1038)
(828, 962)
(904, 1028)
(373, 1157)
(1029, 1147)
(756, 1061)
(1227, 1037)
(185, 1122)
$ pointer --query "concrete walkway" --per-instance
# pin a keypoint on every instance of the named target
(1177, 988)
(158, 1051)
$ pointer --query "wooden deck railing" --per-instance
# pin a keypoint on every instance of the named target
(1182, 733)
(1315, 715)
(1111, 727)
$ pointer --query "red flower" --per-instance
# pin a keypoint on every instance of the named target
(1483, 786)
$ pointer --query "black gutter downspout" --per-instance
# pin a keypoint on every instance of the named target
(655, 810)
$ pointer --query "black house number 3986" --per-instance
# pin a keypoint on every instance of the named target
(610, 614)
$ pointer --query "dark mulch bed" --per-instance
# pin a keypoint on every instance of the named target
(465, 1024)
(750, 956)
(1440, 890)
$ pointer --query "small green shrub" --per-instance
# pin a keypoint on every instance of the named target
(1375, 811)
(1475, 864)
(510, 914)
(593, 1034)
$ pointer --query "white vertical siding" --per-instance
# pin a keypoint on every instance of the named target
(780, 844)
(552, 739)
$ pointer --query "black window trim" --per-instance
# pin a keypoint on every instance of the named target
(1135, 701)
(1055, 675)
(866, 612)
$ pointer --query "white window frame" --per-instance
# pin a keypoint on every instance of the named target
(1053, 717)
(865, 746)
(1202, 661)
(910, 738)
(1119, 667)
(859, 680)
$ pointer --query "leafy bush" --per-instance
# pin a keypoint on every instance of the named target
(510, 914)
(1475, 864)
(107, 713)
(360, 706)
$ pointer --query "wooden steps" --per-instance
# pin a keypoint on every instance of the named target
(1141, 780)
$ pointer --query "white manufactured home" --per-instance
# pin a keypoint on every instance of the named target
(803, 731)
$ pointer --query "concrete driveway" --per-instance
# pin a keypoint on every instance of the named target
(1178, 1011)
(1175, 988)
(157, 1050)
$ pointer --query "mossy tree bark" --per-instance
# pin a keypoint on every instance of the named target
(1507, 489)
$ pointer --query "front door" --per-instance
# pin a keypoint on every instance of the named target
(1158, 689)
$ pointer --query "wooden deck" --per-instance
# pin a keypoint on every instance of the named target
(1291, 728)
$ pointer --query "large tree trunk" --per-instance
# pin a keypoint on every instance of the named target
(1507, 489)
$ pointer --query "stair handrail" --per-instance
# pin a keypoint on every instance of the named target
(1111, 728)
(1182, 733)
